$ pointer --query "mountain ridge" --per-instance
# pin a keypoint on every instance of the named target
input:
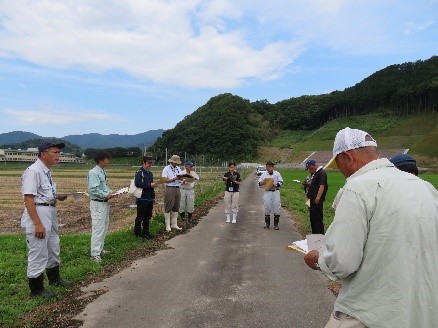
(89, 140)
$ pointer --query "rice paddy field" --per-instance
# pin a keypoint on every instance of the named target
(74, 212)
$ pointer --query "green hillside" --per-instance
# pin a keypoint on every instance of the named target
(418, 133)
(397, 105)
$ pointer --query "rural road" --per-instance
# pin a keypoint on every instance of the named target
(218, 275)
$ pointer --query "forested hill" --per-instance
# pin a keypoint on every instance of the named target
(230, 127)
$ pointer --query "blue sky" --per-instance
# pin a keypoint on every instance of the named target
(126, 67)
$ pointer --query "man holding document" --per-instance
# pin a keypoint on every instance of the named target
(382, 244)
(271, 181)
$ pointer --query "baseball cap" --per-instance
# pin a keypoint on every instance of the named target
(402, 160)
(47, 144)
(348, 139)
(270, 163)
(309, 163)
(188, 163)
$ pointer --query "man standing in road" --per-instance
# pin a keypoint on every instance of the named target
(231, 198)
(271, 197)
(382, 244)
(99, 207)
(316, 194)
(188, 191)
(40, 222)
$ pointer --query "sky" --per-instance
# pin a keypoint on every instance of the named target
(127, 67)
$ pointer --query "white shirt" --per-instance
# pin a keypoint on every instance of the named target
(275, 175)
(189, 185)
(36, 180)
(383, 247)
(171, 172)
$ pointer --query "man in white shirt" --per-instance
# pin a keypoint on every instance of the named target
(382, 244)
(40, 222)
(271, 197)
(187, 191)
(172, 196)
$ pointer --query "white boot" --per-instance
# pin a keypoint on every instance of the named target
(234, 218)
(228, 217)
(174, 223)
(167, 221)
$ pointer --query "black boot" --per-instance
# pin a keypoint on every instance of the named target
(189, 217)
(137, 227)
(36, 286)
(267, 221)
(146, 235)
(182, 215)
(276, 220)
(55, 278)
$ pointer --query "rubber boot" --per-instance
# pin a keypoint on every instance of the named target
(228, 218)
(55, 278)
(174, 221)
(137, 227)
(167, 221)
(36, 286)
(234, 218)
(276, 221)
(189, 217)
(182, 215)
(267, 221)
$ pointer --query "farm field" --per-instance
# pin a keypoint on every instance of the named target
(74, 214)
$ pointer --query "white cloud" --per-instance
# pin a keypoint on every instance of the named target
(412, 28)
(193, 43)
(30, 117)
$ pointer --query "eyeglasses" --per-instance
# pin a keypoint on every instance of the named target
(53, 152)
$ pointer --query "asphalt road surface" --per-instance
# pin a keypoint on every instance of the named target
(218, 275)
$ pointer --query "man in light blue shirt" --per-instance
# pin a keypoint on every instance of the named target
(382, 244)
(99, 207)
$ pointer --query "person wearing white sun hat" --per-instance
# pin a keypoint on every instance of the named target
(172, 196)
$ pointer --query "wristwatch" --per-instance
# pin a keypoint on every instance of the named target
(317, 266)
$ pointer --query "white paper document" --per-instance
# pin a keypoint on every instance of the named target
(121, 191)
(312, 242)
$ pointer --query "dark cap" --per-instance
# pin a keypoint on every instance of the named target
(270, 163)
(402, 160)
(309, 163)
(47, 144)
(188, 163)
(147, 159)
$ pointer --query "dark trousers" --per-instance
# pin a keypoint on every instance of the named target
(144, 214)
(316, 217)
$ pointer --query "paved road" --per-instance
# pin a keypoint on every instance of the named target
(218, 275)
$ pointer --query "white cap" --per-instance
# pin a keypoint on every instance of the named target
(347, 139)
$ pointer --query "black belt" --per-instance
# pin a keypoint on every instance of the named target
(272, 190)
(100, 200)
(45, 204)
(173, 186)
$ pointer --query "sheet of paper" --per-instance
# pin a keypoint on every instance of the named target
(296, 248)
(299, 245)
(315, 242)
(121, 191)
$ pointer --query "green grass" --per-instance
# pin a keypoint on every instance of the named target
(75, 251)
(293, 196)
(418, 133)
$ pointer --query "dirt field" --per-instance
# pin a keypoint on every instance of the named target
(74, 215)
